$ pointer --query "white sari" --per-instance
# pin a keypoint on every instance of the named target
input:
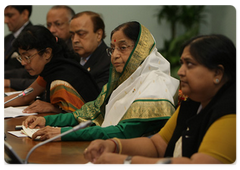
(151, 81)
(143, 92)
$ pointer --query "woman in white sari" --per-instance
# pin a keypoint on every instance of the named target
(138, 99)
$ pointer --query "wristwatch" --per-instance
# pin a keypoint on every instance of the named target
(128, 160)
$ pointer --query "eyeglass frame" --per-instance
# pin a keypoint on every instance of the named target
(27, 59)
(55, 24)
(118, 48)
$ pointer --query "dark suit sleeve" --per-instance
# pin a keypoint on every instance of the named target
(20, 83)
(20, 79)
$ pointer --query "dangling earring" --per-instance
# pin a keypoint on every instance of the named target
(217, 81)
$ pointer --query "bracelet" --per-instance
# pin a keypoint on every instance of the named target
(128, 160)
(115, 149)
(119, 144)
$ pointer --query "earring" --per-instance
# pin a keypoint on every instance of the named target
(217, 81)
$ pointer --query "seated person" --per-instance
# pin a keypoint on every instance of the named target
(87, 31)
(58, 18)
(17, 19)
(68, 85)
(138, 99)
(203, 129)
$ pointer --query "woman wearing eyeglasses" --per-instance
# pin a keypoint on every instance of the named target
(137, 101)
(67, 84)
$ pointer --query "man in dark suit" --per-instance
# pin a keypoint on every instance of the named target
(87, 33)
(17, 19)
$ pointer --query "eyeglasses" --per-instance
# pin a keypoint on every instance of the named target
(121, 49)
(26, 59)
(55, 24)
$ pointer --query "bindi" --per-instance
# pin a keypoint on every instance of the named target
(114, 40)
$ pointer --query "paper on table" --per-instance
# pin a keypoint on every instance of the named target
(10, 93)
(17, 133)
(10, 112)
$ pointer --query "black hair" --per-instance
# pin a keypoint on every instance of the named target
(96, 20)
(130, 29)
(21, 8)
(38, 37)
(214, 50)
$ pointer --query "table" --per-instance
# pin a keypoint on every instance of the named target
(64, 152)
(8, 89)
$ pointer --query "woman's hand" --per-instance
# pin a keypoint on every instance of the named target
(97, 148)
(34, 122)
(47, 133)
(110, 158)
(41, 107)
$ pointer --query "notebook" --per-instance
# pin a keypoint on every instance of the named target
(29, 132)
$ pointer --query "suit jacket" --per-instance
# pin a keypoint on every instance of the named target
(19, 78)
(98, 65)
(11, 63)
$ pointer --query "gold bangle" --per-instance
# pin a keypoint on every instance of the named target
(119, 144)
(116, 145)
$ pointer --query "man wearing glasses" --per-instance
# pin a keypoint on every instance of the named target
(58, 19)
